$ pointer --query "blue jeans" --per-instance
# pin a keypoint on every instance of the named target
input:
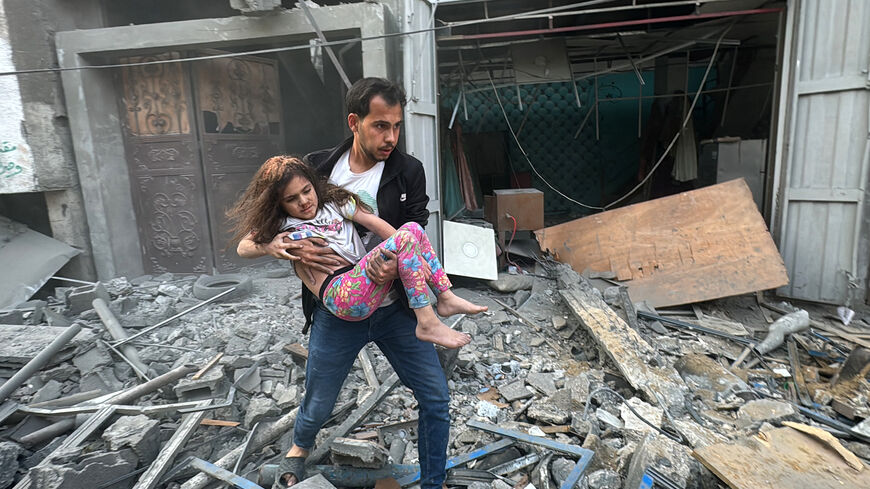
(332, 349)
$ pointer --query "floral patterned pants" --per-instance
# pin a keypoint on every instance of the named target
(353, 297)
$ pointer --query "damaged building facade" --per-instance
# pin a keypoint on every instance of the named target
(134, 166)
(683, 165)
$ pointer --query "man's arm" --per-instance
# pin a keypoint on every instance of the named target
(312, 251)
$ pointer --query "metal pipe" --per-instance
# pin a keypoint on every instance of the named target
(152, 385)
(128, 353)
(51, 431)
(630, 60)
(326, 46)
(69, 400)
(608, 25)
(166, 321)
(39, 361)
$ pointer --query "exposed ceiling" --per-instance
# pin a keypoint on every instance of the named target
(476, 38)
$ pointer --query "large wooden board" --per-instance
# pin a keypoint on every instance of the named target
(781, 458)
(631, 354)
(684, 248)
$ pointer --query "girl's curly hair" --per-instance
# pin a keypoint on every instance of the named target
(258, 211)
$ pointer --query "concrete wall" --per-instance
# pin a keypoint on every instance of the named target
(34, 129)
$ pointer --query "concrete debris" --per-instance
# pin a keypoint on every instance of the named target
(555, 362)
(140, 434)
(358, 453)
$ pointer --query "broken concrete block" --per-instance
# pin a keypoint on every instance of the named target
(92, 360)
(252, 381)
(12, 316)
(8, 462)
(259, 408)
(316, 482)
(609, 418)
(139, 433)
(668, 457)
(499, 484)
(603, 479)
(80, 299)
(103, 379)
(545, 412)
(286, 397)
(260, 342)
(649, 412)
(212, 384)
(486, 409)
(94, 470)
(358, 453)
(515, 391)
(48, 392)
(768, 410)
(512, 283)
(544, 382)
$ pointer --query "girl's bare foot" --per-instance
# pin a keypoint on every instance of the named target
(434, 331)
(450, 304)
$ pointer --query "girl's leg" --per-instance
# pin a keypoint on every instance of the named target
(448, 302)
(351, 296)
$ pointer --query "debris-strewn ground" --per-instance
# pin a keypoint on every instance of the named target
(534, 366)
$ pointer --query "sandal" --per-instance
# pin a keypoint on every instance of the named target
(294, 466)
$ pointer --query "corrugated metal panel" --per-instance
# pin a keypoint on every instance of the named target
(826, 169)
(421, 84)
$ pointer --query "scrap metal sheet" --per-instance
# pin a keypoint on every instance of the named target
(27, 260)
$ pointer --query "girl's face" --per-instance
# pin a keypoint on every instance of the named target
(298, 199)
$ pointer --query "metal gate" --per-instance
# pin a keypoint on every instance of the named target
(828, 144)
(421, 113)
(195, 134)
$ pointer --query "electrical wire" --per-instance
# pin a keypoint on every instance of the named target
(652, 170)
(677, 437)
(507, 252)
(683, 126)
(297, 47)
(526, 156)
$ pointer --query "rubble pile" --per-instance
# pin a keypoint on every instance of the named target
(565, 382)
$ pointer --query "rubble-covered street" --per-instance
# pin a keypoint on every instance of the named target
(557, 373)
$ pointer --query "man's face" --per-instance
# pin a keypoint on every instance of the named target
(377, 134)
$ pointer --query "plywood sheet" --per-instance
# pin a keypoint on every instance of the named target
(684, 248)
(781, 458)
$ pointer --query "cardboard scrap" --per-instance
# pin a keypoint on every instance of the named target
(685, 248)
(781, 458)
(828, 438)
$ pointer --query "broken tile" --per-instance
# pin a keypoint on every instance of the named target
(515, 391)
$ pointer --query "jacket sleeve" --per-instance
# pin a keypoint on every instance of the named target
(416, 198)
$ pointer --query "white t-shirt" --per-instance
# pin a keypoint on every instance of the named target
(365, 185)
(333, 224)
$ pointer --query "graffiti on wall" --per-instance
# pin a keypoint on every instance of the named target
(10, 164)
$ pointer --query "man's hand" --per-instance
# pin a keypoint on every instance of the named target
(314, 253)
(382, 267)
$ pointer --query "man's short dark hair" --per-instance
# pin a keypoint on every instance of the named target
(361, 93)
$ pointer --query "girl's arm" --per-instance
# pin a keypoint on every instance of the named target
(373, 223)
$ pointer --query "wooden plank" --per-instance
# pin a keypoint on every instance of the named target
(781, 458)
(684, 248)
(629, 351)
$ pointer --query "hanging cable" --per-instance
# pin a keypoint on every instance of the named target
(683, 126)
(526, 156)
(507, 253)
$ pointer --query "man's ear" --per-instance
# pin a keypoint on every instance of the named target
(353, 122)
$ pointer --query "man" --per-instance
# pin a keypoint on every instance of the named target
(394, 185)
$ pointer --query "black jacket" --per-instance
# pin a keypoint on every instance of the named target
(401, 198)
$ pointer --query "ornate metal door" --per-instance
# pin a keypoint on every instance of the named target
(194, 137)
(165, 171)
(239, 115)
